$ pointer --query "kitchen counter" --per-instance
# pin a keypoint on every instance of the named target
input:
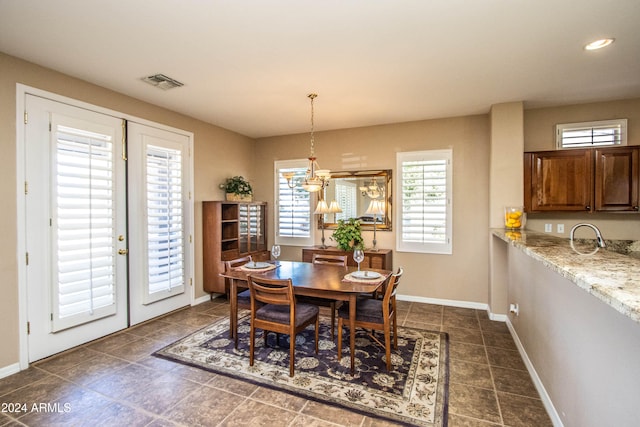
(611, 277)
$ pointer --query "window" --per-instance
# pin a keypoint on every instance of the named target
(591, 134)
(346, 196)
(293, 206)
(165, 223)
(84, 204)
(425, 209)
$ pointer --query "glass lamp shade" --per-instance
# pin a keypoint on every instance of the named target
(289, 177)
(376, 207)
(334, 207)
(312, 181)
(322, 208)
(323, 174)
(312, 185)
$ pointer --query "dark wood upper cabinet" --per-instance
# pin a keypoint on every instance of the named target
(617, 179)
(559, 180)
(603, 179)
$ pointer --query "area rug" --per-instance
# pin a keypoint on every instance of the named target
(415, 392)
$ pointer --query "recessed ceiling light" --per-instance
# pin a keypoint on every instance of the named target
(599, 44)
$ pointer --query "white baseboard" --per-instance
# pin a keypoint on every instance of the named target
(497, 317)
(544, 396)
(449, 302)
(9, 370)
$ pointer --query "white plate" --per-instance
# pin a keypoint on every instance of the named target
(257, 265)
(366, 275)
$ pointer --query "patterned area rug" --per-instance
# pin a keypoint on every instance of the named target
(414, 393)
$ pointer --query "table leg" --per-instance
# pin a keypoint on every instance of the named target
(233, 310)
(352, 330)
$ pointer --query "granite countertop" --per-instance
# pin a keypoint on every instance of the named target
(609, 276)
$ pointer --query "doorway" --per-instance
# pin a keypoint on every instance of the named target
(107, 224)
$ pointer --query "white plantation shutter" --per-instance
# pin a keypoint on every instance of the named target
(165, 224)
(83, 208)
(425, 190)
(293, 213)
(346, 196)
(591, 134)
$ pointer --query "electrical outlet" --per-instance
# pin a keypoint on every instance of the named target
(560, 228)
(548, 228)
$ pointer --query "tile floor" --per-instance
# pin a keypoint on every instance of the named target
(116, 382)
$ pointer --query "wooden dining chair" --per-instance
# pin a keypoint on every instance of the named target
(377, 315)
(243, 298)
(338, 261)
(279, 313)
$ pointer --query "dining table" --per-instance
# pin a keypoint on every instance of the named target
(313, 280)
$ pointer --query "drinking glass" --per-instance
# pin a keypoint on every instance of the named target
(358, 256)
(275, 251)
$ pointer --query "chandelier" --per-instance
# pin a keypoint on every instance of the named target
(315, 179)
(373, 190)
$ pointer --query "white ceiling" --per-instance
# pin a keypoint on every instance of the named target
(248, 65)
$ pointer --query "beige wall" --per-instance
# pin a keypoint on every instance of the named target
(506, 185)
(218, 154)
(462, 276)
(539, 135)
(539, 123)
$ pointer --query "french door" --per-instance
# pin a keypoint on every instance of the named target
(81, 233)
(158, 221)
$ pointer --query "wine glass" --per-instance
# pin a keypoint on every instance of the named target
(275, 251)
(358, 256)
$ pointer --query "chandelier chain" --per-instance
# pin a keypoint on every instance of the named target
(312, 96)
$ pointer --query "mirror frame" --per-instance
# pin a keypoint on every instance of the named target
(386, 175)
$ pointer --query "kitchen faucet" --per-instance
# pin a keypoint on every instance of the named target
(599, 238)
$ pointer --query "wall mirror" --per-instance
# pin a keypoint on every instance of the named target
(354, 191)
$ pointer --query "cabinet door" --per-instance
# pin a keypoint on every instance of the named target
(559, 180)
(258, 228)
(616, 179)
(244, 222)
(252, 228)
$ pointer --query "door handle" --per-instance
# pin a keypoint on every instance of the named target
(123, 251)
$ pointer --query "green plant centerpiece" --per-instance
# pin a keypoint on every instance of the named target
(238, 189)
(348, 235)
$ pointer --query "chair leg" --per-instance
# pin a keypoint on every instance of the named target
(317, 332)
(292, 354)
(333, 320)
(395, 332)
(339, 338)
(252, 338)
(387, 346)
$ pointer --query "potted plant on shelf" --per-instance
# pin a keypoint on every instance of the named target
(238, 189)
(348, 235)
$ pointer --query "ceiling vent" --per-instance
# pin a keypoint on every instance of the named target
(163, 82)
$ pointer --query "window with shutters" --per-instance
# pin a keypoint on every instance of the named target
(346, 196)
(591, 134)
(293, 205)
(84, 209)
(424, 188)
(165, 225)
